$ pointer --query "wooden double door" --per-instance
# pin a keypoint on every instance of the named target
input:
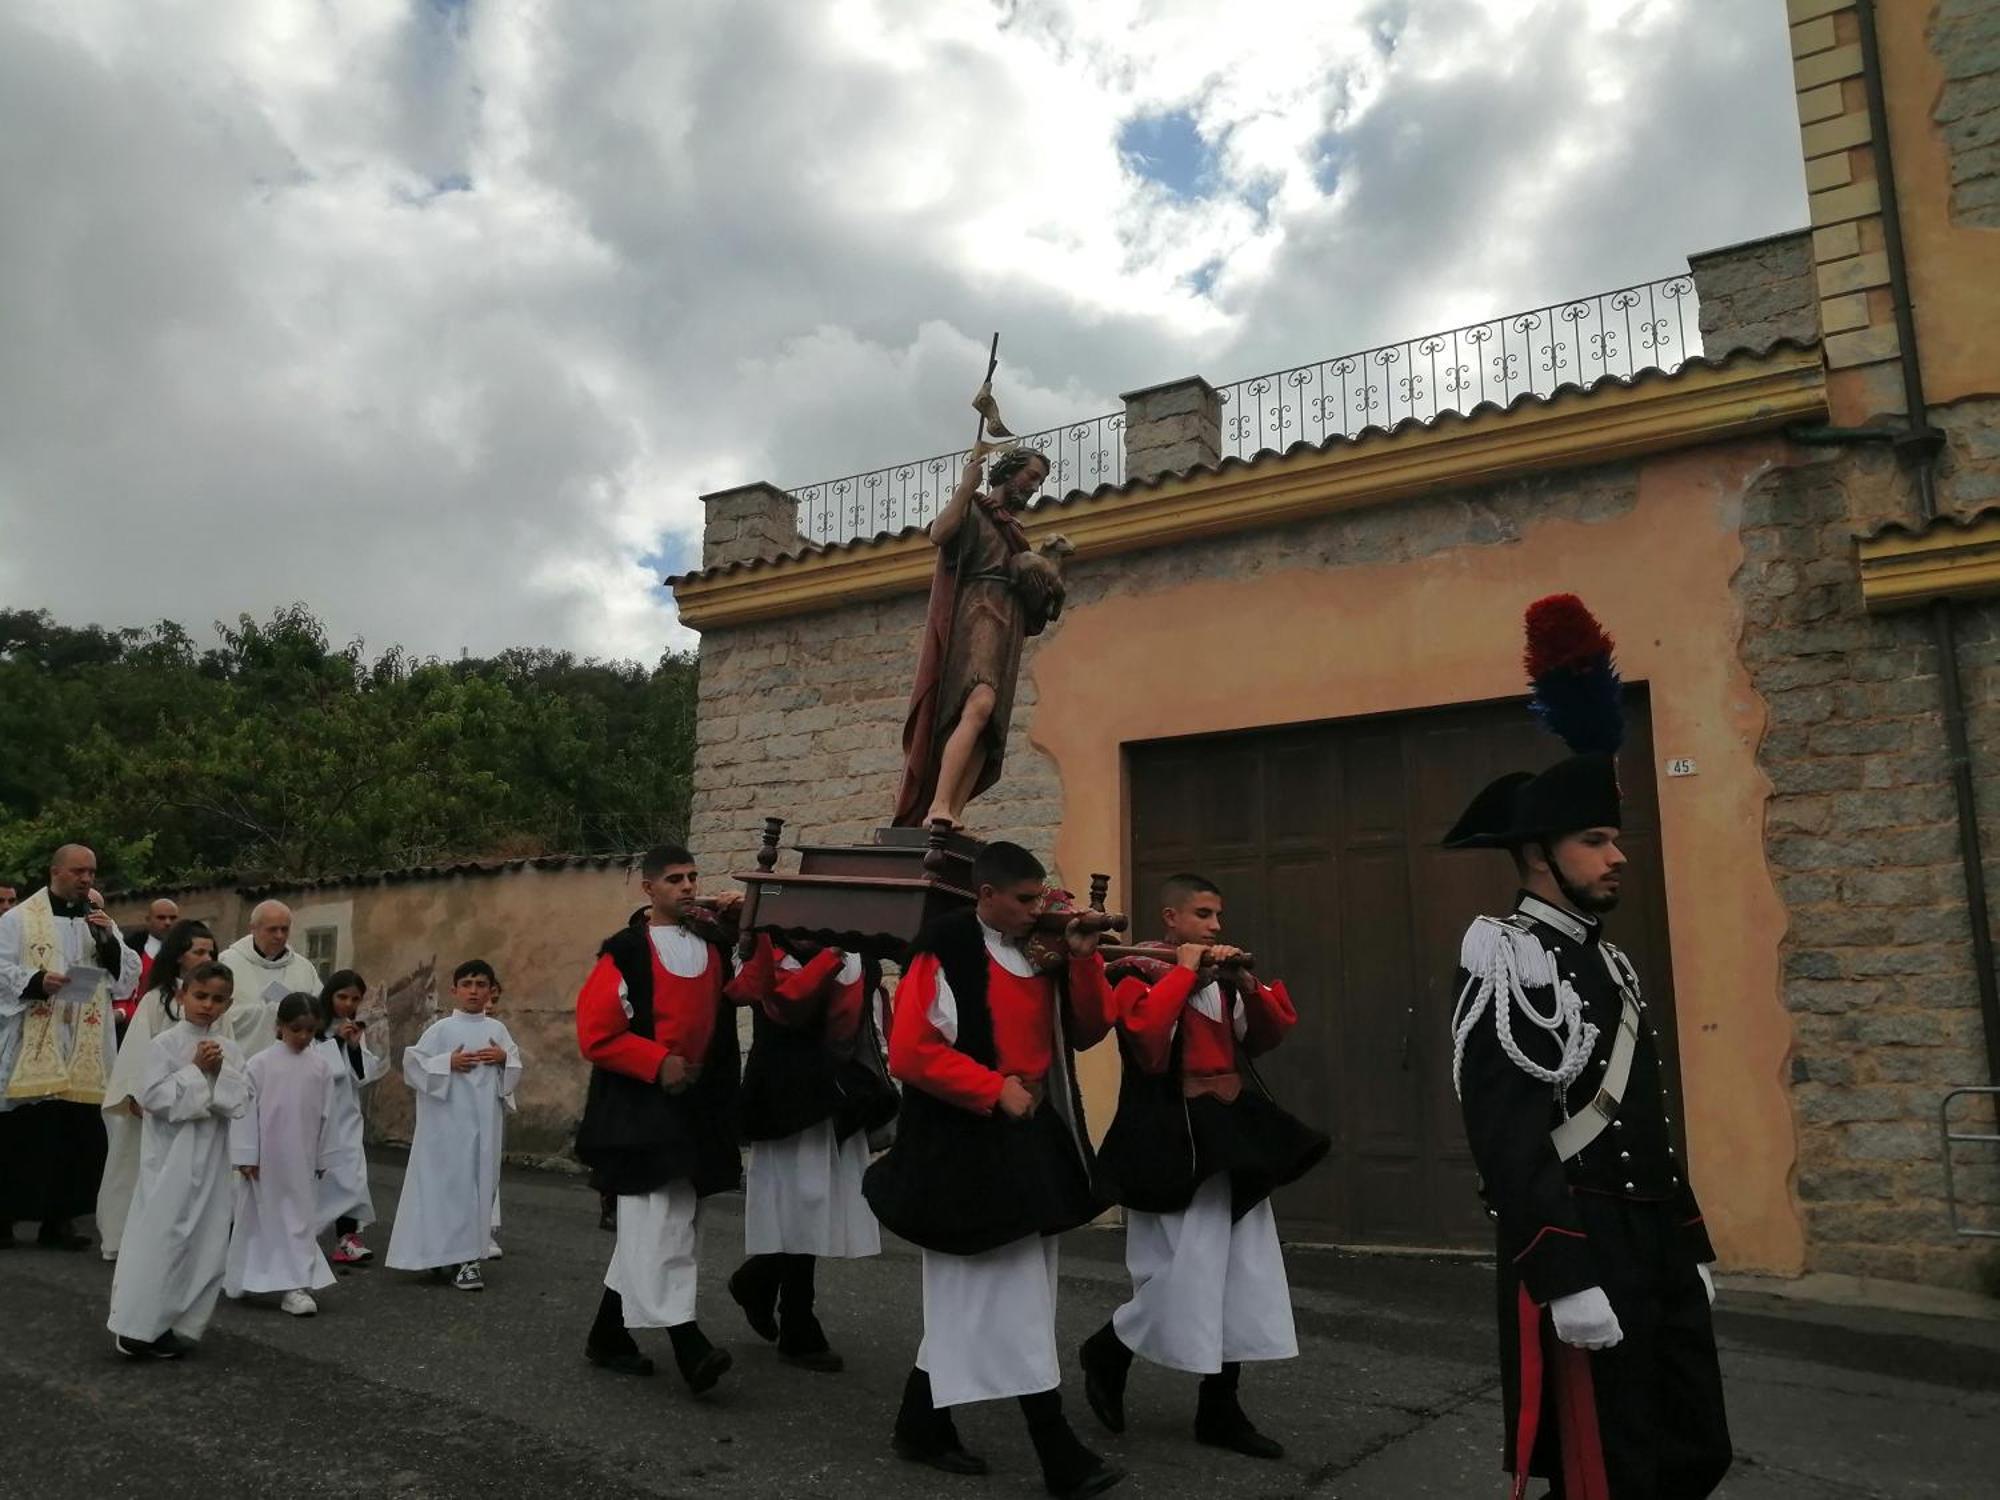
(1326, 842)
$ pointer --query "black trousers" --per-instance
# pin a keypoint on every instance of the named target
(51, 1160)
(1658, 1393)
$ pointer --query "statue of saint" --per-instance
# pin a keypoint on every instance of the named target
(990, 592)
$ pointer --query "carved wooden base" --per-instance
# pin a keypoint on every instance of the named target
(871, 898)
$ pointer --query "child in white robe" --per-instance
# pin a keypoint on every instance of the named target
(278, 1147)
(344, 1199)
(176, 1243)
(461, 1070)
(188, 944)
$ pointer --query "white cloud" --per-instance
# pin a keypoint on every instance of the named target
(439, 318)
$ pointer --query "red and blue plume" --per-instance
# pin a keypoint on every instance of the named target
(1577, 692)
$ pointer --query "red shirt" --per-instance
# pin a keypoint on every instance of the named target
(1024, 1040)
(1150, 1013)
(683, 1018)
(795, 996)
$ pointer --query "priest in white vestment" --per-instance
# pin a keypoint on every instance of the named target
(267, 968)
(63, 965)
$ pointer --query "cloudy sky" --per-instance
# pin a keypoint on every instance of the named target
(438, 315)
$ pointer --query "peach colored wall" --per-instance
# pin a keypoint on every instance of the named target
(539, 928)
(1445, 629)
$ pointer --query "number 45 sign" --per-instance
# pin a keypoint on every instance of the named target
(1680, 765)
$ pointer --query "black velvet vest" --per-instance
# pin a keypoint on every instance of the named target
(636, 1137)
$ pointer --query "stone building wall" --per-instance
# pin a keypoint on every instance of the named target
(1863, 838)
(1965, 35)
(1757, 293)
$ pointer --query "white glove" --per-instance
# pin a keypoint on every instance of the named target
(1707, 1282)
(1585, 1320)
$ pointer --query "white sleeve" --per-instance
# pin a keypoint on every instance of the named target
(510, 1075)
(243, 1140)
(15, 975)
(427, 1071)
(943, 1014)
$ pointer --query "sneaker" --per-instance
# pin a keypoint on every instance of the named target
(468, 1278)
(492, 1248)
(298, 1304)
(349, 1251)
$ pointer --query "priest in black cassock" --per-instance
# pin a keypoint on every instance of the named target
(1608, 1363)
(62, 964)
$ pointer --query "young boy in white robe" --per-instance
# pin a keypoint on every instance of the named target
(176, 1244)
(187, 944)
(278, 1147)
(461, 1069)
(344, 1199)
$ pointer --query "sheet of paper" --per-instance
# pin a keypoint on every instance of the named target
(83, 983)
(275, 991)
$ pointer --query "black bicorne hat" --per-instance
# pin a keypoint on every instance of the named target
(1577, 695)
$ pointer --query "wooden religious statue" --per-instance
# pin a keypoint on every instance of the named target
(990, 591)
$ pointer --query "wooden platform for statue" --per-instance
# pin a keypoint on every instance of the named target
(871, 898)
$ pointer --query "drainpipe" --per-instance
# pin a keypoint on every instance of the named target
(1918, 444)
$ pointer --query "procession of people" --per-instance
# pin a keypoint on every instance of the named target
(219, 1139)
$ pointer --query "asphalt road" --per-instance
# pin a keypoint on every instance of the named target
(404, 1388)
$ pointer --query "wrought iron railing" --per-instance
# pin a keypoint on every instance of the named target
(1081, 455)
(1654, 325)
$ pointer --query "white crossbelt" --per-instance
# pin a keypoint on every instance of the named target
(1588, 1123)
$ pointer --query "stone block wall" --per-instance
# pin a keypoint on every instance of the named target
(1756, 293)
(1862, 836)
(1965, 35)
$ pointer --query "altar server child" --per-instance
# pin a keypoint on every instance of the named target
(279, 1147)
(991, 1164)
(176, 1245)
(344, 1199)
(461, 1069)
(1193, 1155)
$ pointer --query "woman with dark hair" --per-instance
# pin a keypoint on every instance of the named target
(344, 1200)
(186, 945)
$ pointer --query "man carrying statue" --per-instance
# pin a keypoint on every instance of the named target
(992, 590)
(62, 964)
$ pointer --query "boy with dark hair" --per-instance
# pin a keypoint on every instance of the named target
(991, 1163)
(460, 1069)
(659, 1125)
(1196, 1149)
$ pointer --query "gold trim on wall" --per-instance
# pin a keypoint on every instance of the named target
(1949, 561)
(1700, 404)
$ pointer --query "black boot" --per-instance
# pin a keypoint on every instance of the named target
(926, 1435)
(701, 1363)
(754, 1286)
(1219, 1421)
(610, 1345)
(1106, 1362)
(801, 1341)
(1070, 1471)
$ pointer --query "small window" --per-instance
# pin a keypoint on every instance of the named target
(322, 947)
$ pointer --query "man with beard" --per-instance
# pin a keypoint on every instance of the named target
(1616, 1391)
(56, 1048)
(989, 593)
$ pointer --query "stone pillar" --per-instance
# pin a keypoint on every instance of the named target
(1756, 293)
(1172, 427)
(746, 523)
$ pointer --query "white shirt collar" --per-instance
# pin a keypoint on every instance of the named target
(682, 954)
(1006, 952)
